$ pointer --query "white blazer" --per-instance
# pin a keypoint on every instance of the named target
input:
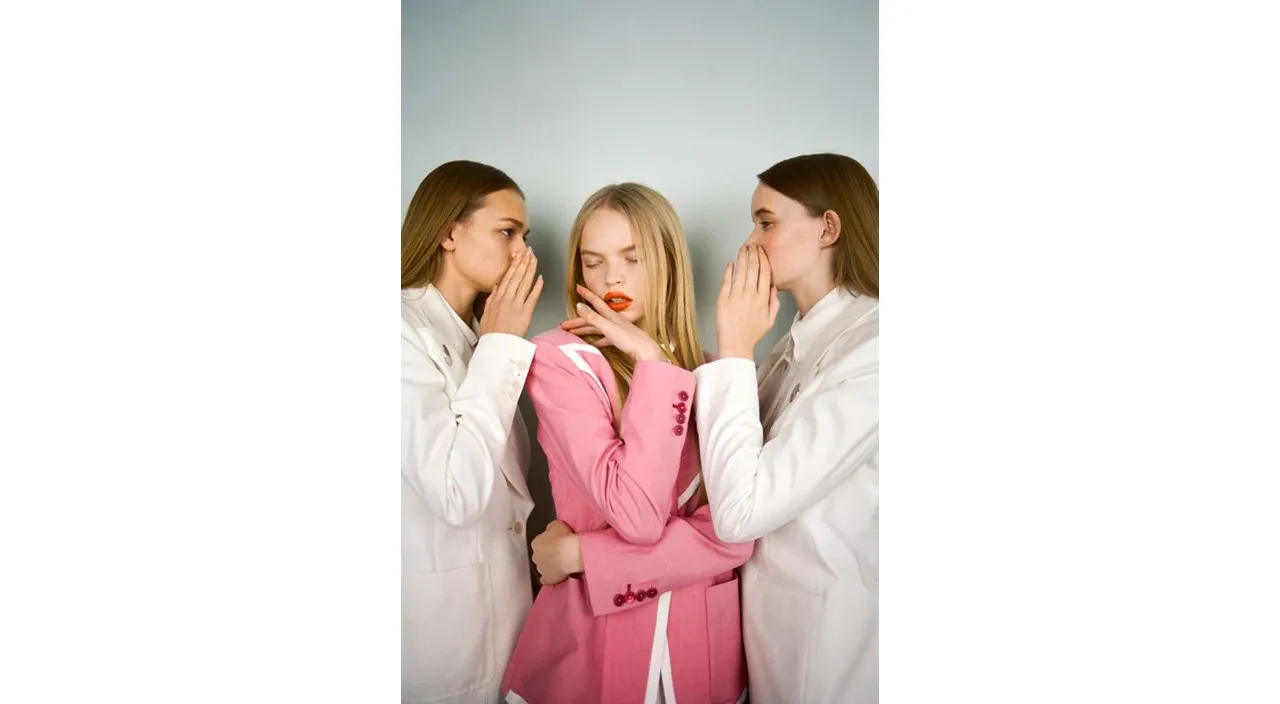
(795, 466)
(464, 453)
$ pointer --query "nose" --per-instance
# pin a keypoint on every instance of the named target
(518, 246)
(753, 238)
(613, 276)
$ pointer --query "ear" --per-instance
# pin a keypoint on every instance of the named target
(450, 242)
(830, 228)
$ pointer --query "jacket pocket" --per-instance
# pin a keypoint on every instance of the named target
(446, 635)
(778, 624)
(728, 664)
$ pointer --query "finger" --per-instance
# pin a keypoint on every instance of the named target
(601, 325)
(499, 291)
(531, 300)
(765, 282)
(727, 284)
(589, 316)
(521, 267)
(602, 343)
(774, 305)
(752, 279)
(572, 323)
(529, 277)
(740, 271)
(596, 302)
(585, 314)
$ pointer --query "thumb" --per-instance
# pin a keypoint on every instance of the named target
(774, 305)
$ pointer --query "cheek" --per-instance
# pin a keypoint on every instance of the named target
(498, 269)
(774, 248)
(594, 279)
(498, 255)
(783, 257)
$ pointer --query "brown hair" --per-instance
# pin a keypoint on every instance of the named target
(669, 314)
(822, 182)
(448, 195)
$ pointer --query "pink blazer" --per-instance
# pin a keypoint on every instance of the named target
(658, 599)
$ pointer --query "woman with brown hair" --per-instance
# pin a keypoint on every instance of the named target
(464, 449)
(790, 453)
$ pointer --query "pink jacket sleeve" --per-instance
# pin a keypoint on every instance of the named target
(626, 477)
(688, 552)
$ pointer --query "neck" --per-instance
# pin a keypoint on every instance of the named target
(811, 289)
(460, 294)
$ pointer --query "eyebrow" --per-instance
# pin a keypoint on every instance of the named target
(587, 252)
(517, 223)
(761, 211)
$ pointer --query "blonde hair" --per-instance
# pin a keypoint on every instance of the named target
(448, 195)
(822, 182)
(670, 316)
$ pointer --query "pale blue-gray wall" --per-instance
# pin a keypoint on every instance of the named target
(690, 97)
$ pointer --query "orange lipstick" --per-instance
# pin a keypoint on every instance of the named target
(617, 301)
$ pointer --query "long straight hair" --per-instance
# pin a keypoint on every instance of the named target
(669, 310)
(448, 195)
(822, 182)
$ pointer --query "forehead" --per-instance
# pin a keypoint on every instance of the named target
(606, 231)
(503, 204)
(769, 199)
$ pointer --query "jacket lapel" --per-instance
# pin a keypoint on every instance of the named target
(852, 322)
(860, 310)
(438, 338)
(516, 453)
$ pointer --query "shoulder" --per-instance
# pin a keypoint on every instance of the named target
(416, 328)
(564, 363)
(412, 314)
(556, 337)
(857, 347)
(563, 349)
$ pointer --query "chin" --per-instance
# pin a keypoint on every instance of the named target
(486, 285)
(783, 283)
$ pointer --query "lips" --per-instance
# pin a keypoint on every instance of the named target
(617, 301)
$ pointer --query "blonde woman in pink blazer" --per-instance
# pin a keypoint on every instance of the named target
(651, 613)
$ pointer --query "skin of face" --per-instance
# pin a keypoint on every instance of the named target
(788, 233)
(484, 244)
(611, 265)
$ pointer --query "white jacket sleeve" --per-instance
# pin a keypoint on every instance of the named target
(451, 447)
(756, 487)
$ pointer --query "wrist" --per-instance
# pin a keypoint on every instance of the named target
(649, 353)
(571, 554)
(736, 351)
